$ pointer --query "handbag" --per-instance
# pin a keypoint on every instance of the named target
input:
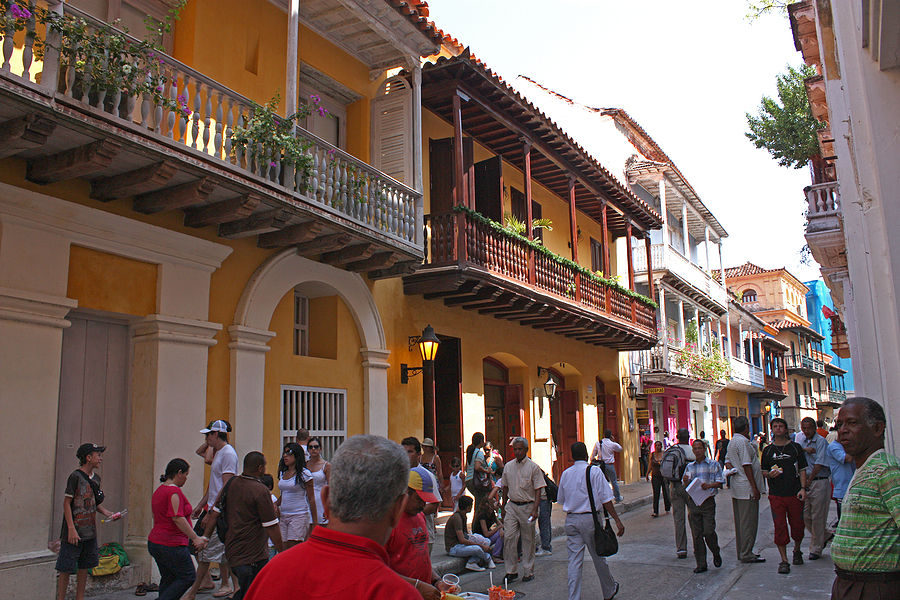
(199, 530)
(482, 481)
(605, 540)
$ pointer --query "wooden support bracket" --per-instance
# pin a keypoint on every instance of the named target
(381, 260)
(255, 224)
(31, 131)
(324, 243)
(225, 211)
(348, 254)
(132, 183)
(179, 196)
(290, 235)
(75, 162)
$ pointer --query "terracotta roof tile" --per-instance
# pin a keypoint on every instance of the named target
(748, 268)
(416, 12)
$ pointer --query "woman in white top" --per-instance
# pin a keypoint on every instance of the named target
(297, 505)
(321, 470)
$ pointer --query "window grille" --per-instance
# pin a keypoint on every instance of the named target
(301, 325)
(323, 411)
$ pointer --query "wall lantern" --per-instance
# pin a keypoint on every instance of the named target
(550, 385)
(428, 344)
(629, 386)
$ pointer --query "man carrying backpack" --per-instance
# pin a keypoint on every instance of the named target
(603, 452)
(675, 461)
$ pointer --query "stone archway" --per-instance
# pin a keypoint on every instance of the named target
(249, 336)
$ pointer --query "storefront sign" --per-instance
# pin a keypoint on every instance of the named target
(643, 414)
(656, 390)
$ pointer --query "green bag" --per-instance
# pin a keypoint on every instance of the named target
(112, 559)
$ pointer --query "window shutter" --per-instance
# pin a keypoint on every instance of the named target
(392, 131)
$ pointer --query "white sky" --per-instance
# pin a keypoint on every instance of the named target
(685, 71)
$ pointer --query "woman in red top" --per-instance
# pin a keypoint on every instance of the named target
(168, 540)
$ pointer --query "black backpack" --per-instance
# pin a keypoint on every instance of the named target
(222, 521)
(551, 489)
(673, 464)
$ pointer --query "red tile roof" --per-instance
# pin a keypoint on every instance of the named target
(416, 12)
(748, 268)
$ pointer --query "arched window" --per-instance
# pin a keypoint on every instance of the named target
(748, 296)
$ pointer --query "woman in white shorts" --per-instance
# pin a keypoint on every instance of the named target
(297, 505)
(321, 470)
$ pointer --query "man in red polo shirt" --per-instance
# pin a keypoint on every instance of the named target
(408, 547)
(364, 499)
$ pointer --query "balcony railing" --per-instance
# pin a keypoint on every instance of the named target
(336, 180)
(776, 385)
(806, 401)
(823, 200)
(836, 396)
(459, 239)
(745, 373)
(804, 363)
(673, 261)
(659, 366)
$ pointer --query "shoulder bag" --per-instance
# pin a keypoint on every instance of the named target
(605, 540)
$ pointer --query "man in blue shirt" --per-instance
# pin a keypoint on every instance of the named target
(703, 517)
(818, 493)
(842, 468)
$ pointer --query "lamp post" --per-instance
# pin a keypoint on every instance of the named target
(428, 344)
(550, 385)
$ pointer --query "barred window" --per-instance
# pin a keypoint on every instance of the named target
(301, 324)
(323, 411)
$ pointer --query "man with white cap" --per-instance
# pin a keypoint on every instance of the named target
(407, 547)
(224, 467)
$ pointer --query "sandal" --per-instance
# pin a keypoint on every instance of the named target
(784, 568)
(152, 587)
(141, 589)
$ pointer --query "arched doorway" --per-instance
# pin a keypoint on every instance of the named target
(504, 415)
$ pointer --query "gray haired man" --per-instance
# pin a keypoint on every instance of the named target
(745, 490)
(521, 498)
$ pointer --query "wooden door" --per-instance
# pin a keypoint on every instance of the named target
(440, 169)
(611, 422)
(489, 188)
(515, 419)
(448, 404)
(93, 408)
(570, 409)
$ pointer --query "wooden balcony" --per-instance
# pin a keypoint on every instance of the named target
(775, 387)
(806, 366)
(658, 366)
(472, 265)
(174, 150)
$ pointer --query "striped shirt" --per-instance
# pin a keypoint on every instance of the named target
(708, 471)
(868, 536)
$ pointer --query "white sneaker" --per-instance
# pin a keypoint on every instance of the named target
(542, 552)
(491, 564)
(474, 567)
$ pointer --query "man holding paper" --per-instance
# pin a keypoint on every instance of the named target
(703, 478)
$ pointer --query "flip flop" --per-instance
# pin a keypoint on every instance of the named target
(141, 589)
(152, 587)
(221, 594)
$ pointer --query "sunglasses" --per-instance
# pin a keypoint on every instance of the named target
(314, 447)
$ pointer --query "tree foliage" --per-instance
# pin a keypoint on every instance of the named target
(786, 127)
(762, 7)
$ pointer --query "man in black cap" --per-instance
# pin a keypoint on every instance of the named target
(78, 550)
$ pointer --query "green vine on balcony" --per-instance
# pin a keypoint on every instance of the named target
(707, 365)
(538, 247)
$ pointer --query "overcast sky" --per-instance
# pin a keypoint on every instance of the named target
(685, 71)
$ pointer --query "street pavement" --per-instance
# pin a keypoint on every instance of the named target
(646, 566)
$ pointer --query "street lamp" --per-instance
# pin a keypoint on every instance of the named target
(428, 344)
(550, 385)
(630, 388)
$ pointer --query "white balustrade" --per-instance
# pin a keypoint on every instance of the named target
(823, 199)
(193, 112)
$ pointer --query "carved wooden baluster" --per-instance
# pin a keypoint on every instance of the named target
(101, 93)
(195, 118)
(183, 119)
(28, 49)
(8, 43)
(229, 121)
(207, 118)
(329, 181)
(170, 90)
(86, 86)
(146, 104)
(217, 140)
(239, 149)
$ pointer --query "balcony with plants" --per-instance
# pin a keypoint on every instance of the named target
(83, 99)
(697, 366)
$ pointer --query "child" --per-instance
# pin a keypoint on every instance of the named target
(269, 481)
(456, 483)
(78, 550)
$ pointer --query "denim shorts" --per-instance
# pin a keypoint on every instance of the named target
(72, 558)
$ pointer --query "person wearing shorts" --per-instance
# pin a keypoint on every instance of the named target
(297, 505)
(78, 538)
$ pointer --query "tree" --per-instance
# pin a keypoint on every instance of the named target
(762, 7)
(786, 128)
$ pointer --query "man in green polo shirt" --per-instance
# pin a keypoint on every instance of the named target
(866, 547)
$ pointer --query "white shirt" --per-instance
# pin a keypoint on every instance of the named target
(225, 461)
(573, 496)
(605, 450)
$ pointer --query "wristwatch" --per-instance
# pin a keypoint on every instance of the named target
(806, 488)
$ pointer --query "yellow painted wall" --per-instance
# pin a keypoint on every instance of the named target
(103, 281)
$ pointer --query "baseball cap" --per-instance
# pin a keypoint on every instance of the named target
(216, 426)
(422, 480)
(86, 449)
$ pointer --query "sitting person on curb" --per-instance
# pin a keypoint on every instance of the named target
(458, 543)
(489, 526)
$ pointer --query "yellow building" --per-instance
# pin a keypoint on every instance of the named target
(156, 274)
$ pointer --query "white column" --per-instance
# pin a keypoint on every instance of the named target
(418, 177)
(681, 321)
(664, 212)
(741, 339)
(706, 248)
(665, 326)
(168, 409)
(721, 265)
(247, 390)
(375, 369)
(684, 231)
(728, 334)
(293, 34)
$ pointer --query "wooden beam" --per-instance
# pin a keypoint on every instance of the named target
(514, 307)
(290, 235)
(467, 287)
(131, 183)
(629, 253)
(27, 132)
(381, 260)
(324, 243)
(255, 224)
(459, 189)
(501, 301)
(485, 295)
(529, 211)
(573, 224)
(348, 254)
(179, 196)
(401, 268)
(534, 308)
(217, 213)
(75, 162)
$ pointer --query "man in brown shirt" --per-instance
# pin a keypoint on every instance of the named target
(521, 486)
(251, 519)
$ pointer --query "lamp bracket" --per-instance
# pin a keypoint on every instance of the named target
(413, 340)
(542, 370)
(406, 372)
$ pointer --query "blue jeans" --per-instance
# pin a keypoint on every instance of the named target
(176, 570)
(546, 508)
(245, 575)
(610, 471)
(475, 554)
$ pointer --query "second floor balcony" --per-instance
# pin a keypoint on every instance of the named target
(802, 364)
(745, 376)
(825, 225)
(678, 366)
(175, 146)
(682, 274)
(474, 264)
(775, 387)
(806, 401)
